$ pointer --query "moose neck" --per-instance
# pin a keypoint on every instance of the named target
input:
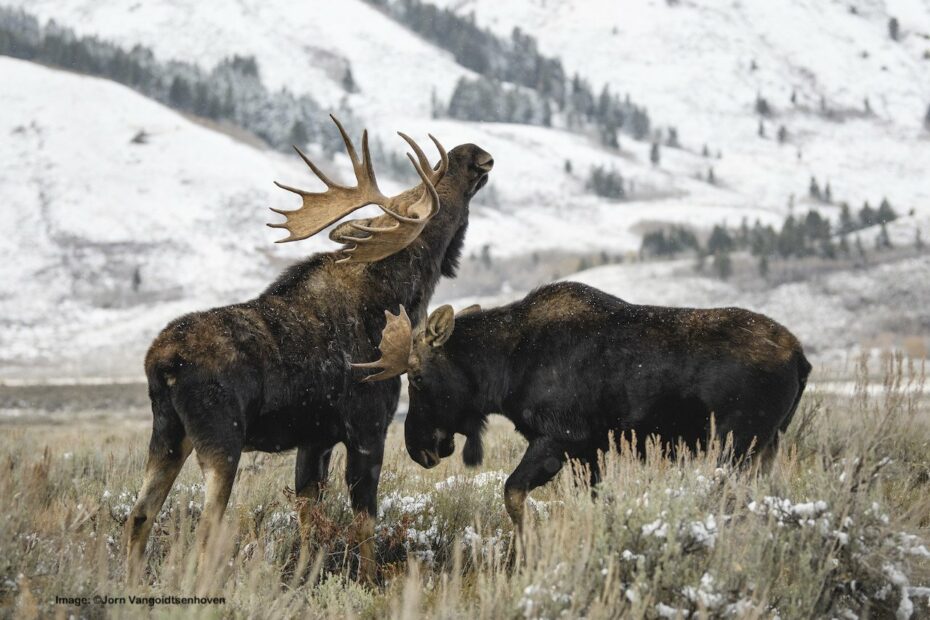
(482, 345)
(417, 268)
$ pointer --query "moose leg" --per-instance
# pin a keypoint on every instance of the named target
(168, 449)
(310, 472)
(363, 470)
(219, 472)
(542, 460)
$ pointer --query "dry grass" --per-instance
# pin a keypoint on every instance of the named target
(839, 527)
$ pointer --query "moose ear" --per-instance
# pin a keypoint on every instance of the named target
(469, 310)
(439, 326)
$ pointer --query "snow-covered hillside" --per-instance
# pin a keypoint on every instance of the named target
(109, 239)
(699, 65)
(105, 238)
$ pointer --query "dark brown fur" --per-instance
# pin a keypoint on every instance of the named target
(570, 365)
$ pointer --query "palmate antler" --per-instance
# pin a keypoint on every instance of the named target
(396, 343)
(320, 209)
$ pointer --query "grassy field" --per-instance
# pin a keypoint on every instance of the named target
(840, 528)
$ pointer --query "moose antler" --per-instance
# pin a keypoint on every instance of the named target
(320, 209)
(396, 342)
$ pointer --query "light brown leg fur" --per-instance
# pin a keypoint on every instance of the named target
(160, 473)
(219, 472)
(363, 536)
(307, 498)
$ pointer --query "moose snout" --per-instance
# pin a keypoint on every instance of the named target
(484, 162)
(426, 458)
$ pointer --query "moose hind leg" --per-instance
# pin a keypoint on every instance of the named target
(219, 472)
(168, 450)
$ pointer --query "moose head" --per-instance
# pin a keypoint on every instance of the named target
(405, 214)
(442, 392)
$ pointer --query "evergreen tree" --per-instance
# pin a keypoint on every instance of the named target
(606, 183)
(885, 213)
(794, 97)
(705, 152)
(894, 28)
(846, 221)
(883, 241)
(827, 194)
(723, 265)
(299, 136)
(918, 240)
(764, 265)
(672, 141)
(348, 82)
(761, 130)
(711, 176)
(827, 249)
(867, 215)
(927, 119)
(814, 189)
(860, 249)
(787, 243)
(654, 155)
(568, 166)
(762, 106)
(180, 93)
(719, 240)
(844, 245)
(782, 134)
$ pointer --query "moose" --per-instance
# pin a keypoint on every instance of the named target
(273, 373)
(569, 365)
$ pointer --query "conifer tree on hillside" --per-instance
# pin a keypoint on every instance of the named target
(782, 134)
(847, 225)
(654, 154)
(885, 213)
(814, 189)
(723, 264)
(867, 215)
(927, 119)
(894, 28)
(883, 240)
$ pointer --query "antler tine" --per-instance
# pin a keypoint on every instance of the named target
(395, 347)
(320, 209)
(386, 240)
(443, 160)
(319, 174)
(435, 175)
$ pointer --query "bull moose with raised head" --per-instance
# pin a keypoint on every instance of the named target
(570, 364)
(273, 373)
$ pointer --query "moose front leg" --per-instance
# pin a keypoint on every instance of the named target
(363, 470)
(310, 472)
(542, 460)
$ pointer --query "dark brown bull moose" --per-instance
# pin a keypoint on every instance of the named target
(570, 364)
(273, 373)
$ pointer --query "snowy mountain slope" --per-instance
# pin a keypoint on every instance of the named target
(303, 46)
(93, 213)
(104, 239)
(691, 64)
